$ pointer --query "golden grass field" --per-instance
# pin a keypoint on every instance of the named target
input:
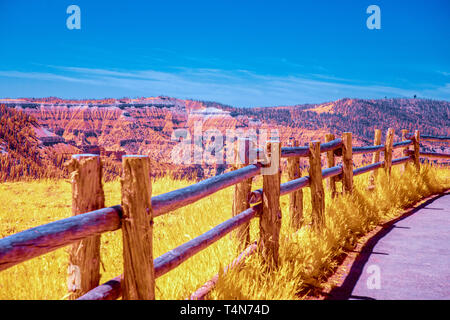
(305, 257)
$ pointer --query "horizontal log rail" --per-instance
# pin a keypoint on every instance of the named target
(331, 145)
(287, 152)
(294, 185)
(43, 239)
(402, 144)
(367, 149)
(40, 240)
(401, 160)
(430, 154)
(435, 154)
(173, 200)
(368, 168)
(294, 152)
(434, 138)
(170, 260)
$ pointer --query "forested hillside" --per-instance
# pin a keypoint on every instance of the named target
(21, 155)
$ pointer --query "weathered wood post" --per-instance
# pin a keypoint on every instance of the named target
(347, 163)
(404, 137)
(87, 195)
(296, 197)
(388, 151)
(331, 163)
(137, 229)
(375, 159)
(270, 220)
(243, 147)
(316, 186)
(416, 157)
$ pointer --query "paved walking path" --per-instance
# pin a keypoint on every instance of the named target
(408, 260)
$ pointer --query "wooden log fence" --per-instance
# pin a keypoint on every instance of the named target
(375, 158)
(87, 195)
(295, 198)
(331, 162)
(243, 148)
(138, 209)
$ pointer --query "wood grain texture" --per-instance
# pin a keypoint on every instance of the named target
(294, 152)
(297, 184)
(347, 163)
(331, 163)
(375, 159)
(110, 290)
(335, 171)
(40, 240)
(297, 151)
(270, 220)
(369, 149)
(242, 190)
(404, 139)
(296, 197)
(173, 258)
(388, 151)
(137, 229)
(164, 203)
(87, 195)
(403, 144)
(401, 160)
(368, 168)
(316, 185)
(416, 157)
(331, 145)
(19, 247)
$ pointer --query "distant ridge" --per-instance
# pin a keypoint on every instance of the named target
(145, 125)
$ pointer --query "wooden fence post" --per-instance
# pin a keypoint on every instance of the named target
(242, 190)
(347, 163)
(137, 229)
(388, 151)
(270, 220)
(296, 197)
(331, 163)
(87, 195)
(375, 159)
(416, 157)
(404, 137)
(316, 185)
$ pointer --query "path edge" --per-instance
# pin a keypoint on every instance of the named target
(333, 287)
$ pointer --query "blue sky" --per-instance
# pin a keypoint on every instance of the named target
(242, 53)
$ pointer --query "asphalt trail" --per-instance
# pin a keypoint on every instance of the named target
(409, 260)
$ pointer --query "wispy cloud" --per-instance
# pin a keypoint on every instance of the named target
(444, 73)
(237, 87)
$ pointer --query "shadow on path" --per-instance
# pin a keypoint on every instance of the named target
(344, 292)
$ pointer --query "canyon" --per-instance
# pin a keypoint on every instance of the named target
(114, 127)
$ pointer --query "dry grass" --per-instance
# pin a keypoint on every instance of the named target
(305, 256)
